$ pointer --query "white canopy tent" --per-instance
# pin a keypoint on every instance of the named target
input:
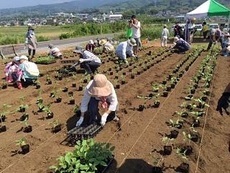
(208, 9)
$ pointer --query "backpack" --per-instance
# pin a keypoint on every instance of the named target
(32, 69)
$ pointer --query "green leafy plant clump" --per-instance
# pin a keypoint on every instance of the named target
(45, 60)
(86, 157)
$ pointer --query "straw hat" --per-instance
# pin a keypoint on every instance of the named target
(23, 57)
(100, 86)
(102, 41)
(132, 42)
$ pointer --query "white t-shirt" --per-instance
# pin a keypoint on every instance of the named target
(136, 30)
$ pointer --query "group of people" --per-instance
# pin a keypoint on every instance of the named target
(21, 72)
(218, 36)
(99, 94)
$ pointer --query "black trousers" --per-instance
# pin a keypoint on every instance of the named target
(90, 66)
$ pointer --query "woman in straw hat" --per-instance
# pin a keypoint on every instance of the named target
(125, 49)
(107, 47)
(99, 94)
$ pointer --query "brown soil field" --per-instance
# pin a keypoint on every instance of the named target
(138, 141)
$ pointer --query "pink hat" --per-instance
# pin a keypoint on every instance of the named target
(100, 86)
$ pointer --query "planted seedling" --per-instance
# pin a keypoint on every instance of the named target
(37, 84)
(177, 123)
(27, 128)
(123, 80)
(24, 116)
(197, 113)
(25, 147)
(201, 103)
(2, 127)
(49, 113)
(156, 103)
(41, 106)
(196, 122)
(155, 87)
(71, 100)
(193, 136)
(183, 113)
(4, 112)
(23, 106)
(168, 146)
(4, 85)
(156, 168)
(48, 80)
(56, 126)
(183, 152)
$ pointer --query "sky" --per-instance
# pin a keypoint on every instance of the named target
(23, 3)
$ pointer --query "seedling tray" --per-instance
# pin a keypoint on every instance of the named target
(80, 133)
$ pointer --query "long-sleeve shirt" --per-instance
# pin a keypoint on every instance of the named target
(55, 52)
(89, 56)
(31, 39)
(112, 98)
(182, 44)
(124, 48)
(165, 32)
(29, 70)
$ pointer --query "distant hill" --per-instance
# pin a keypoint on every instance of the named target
(150, 6)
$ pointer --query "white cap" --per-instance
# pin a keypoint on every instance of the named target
(23, 57)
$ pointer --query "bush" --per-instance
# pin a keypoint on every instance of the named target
(65, 36)
(86, 157)
(10, 40)
(42, 38)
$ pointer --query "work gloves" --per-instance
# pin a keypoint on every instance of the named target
(80, 121)
(104, 118)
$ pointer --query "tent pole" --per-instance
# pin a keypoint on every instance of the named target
(229, 22)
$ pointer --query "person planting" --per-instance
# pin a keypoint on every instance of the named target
(107, 47)
(30, 71)
(90, 46)
(89, 61)
(13, 72)
(54, 51)
(180, 45)
(224, 101)
(125, 49)
(99, 94)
